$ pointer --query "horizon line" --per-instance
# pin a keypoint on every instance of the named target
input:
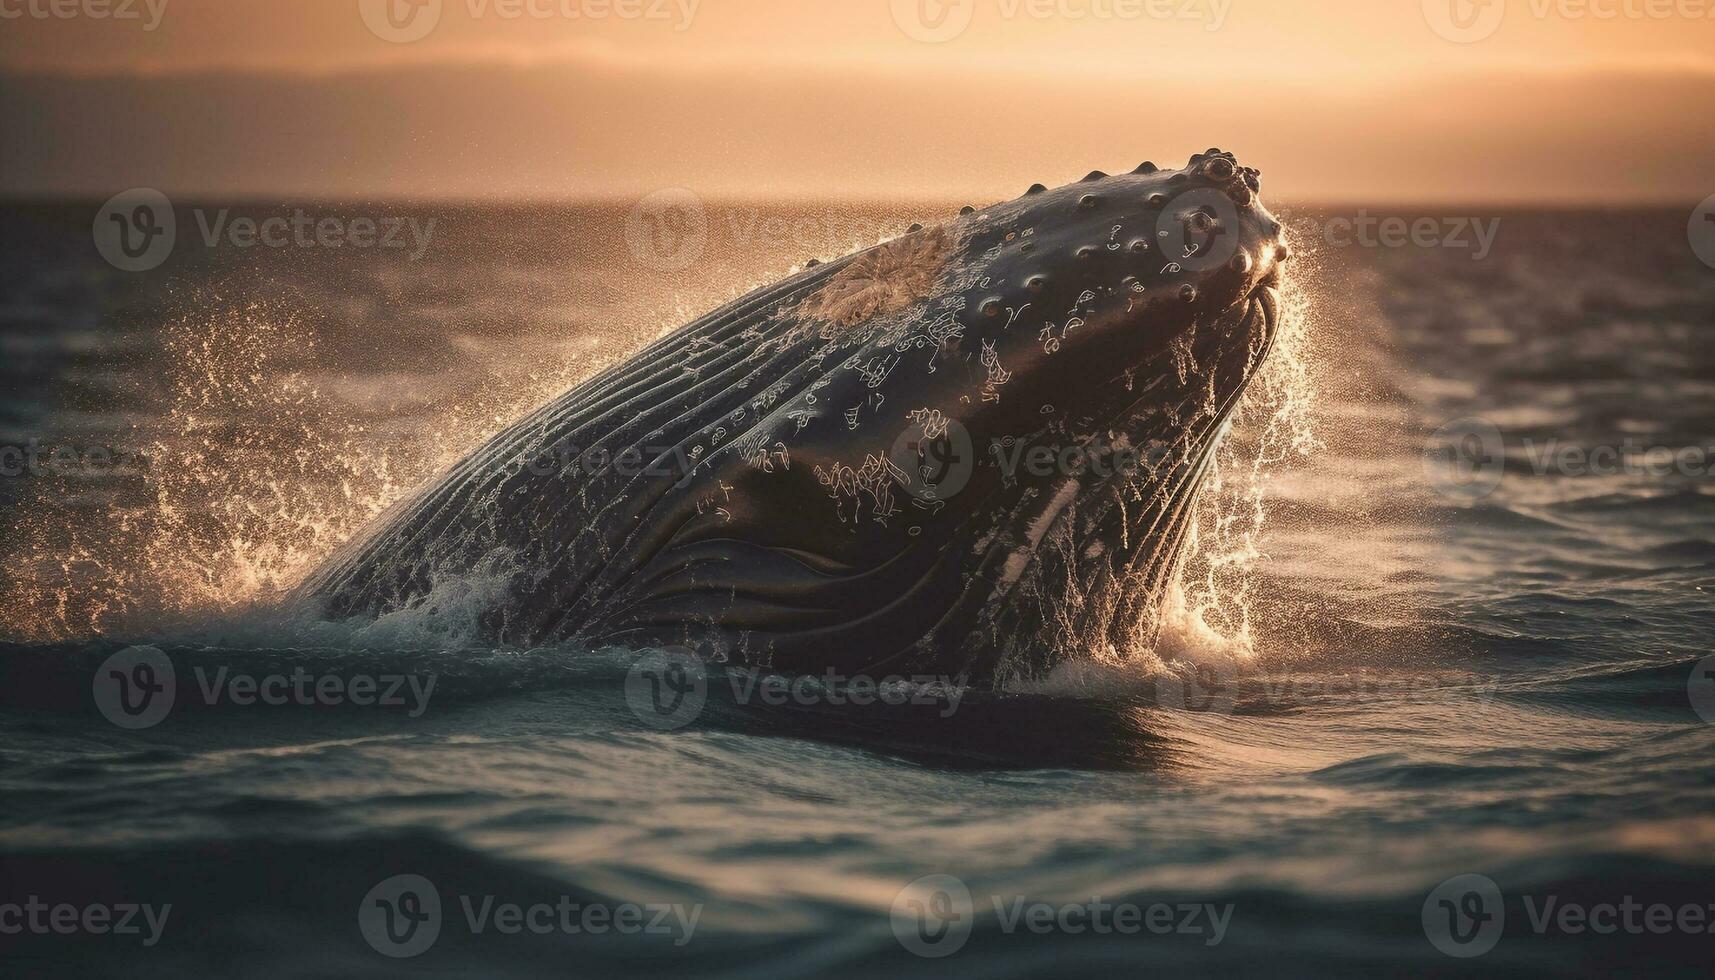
(10, 197)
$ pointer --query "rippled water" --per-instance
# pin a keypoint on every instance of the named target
(1485, 669)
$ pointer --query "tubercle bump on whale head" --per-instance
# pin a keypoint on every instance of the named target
(1208, 215)
(1113, 270)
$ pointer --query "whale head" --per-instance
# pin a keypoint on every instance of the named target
(1101, 279)
(1119, 320)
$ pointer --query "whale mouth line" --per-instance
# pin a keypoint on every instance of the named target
(1265, 302)
(1260, 318)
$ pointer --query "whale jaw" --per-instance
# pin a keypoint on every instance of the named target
(1093, 561)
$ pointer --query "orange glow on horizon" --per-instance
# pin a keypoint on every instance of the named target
(552, 99)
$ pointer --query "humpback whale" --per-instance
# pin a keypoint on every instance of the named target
(971, 449)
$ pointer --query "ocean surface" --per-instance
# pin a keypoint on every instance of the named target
(1446, 617)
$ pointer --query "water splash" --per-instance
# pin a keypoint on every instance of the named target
(263, 467)
(1204, 620)
(1207, 612)
(258, 471)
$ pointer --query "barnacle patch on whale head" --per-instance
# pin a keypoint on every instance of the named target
(887, 278)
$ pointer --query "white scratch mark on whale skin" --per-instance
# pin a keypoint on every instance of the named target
(1019, 560)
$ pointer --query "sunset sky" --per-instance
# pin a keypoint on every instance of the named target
(1336, 100)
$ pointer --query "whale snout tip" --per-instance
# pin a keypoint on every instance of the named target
(1261, 244)
(1243, 186)
(1222, 169)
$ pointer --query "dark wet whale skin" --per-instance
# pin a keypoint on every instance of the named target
(751, 485)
